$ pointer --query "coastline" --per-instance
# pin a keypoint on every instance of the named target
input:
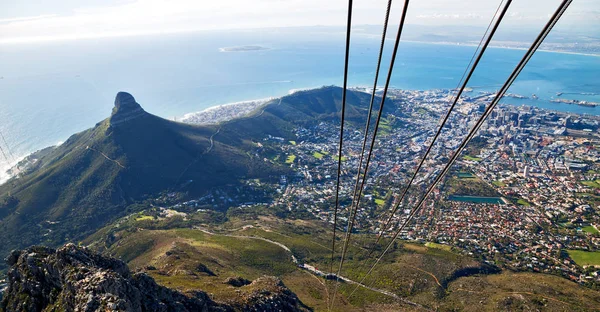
(224, 112)
(228, 111)
(500, 47)
(208, 116)
(5, 168)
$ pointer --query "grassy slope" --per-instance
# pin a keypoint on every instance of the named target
(520, 292)
(414, 271)
(224, 256)
(78, 187)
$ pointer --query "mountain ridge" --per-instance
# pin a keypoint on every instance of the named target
(95, 174)
(92, 178)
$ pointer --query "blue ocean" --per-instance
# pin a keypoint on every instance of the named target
(51, 90)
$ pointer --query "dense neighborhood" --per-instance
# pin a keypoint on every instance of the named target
(524, 195)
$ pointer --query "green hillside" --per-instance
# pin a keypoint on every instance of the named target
(282, 116)
(67, 192)
(201, 253)
(92, 177)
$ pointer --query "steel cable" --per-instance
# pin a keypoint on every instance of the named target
(531, 51)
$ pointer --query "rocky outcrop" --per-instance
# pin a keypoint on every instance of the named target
(76, 279)
(268, 294)
(126, 108)
(237, 281)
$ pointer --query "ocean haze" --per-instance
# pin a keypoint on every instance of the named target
(30, 20)
(51, 90)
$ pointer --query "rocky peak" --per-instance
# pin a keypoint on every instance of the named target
(126, 108)
(125, 101)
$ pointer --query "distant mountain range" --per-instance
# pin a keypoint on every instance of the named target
(67, 192)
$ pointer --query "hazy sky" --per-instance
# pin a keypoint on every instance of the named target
(32, 20)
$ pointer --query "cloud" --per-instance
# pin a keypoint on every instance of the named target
(137, 17)
(25, 18)
(469, 16)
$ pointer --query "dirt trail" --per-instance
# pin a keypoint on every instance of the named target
(105, 156)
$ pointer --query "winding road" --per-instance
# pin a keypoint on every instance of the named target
(315, 271)
(212, 142)
(105, 156)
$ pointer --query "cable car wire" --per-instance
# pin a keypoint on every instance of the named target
(368, 123)
(341, 143)
(530, 52)
(385, 90)
(447, 116)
